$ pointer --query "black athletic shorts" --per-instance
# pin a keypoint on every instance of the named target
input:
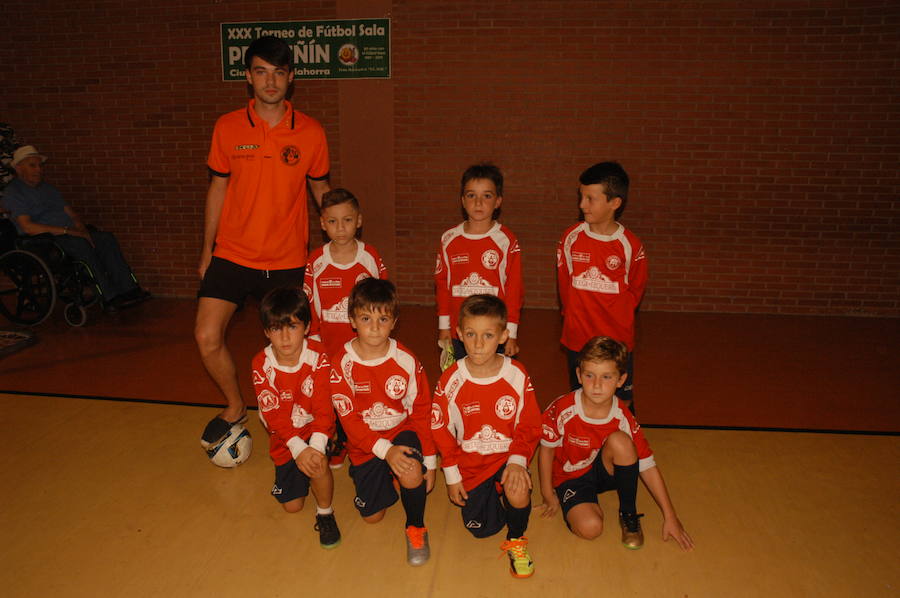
(484, 513)
(586, 487)
(290, 482)
(233, 282)
(374, 479)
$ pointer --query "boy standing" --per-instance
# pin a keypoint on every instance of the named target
(591, 445)
(486, 423)
(291, 379)
(332, 271)
(380, 392)
(601, 270)
(478, 256)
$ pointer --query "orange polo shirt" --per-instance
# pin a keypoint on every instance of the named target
(264, 218)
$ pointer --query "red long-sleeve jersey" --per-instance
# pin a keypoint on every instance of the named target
(577, 439)
(601, 281)
(327, 286)
(478, 264)
(481, 423)
(294, 401)
(379, 398)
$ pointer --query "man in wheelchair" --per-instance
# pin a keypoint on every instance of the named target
(37, 207)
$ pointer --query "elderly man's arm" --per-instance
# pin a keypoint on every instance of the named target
(30, 227)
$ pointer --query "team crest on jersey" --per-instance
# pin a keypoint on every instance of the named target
(473, 284)
(267, 400)
(307, 386)
(437, 417)
(613, 262)
(490, 259)
(505, 407)
(395, 387)
(300, 416)
(290, 155)
(342, 404)
(595, 281)
(568, 494)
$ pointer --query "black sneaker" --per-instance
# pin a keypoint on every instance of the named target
(329, 534)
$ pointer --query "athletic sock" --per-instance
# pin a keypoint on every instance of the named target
(626, 486)
(414, 504)
(324, 511)
(517, 520)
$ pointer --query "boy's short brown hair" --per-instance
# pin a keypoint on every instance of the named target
(375, 294)
(338, 196)
(603, 348)
(483, 305)
(280, 305)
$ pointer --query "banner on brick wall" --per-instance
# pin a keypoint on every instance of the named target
(349, 49)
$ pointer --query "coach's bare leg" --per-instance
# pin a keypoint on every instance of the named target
(213, 316)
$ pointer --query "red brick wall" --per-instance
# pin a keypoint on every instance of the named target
(763, 137)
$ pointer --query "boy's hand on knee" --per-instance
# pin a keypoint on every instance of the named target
(515, 478)
(399, 460)
(457, 494)
(550, 506)
(672, 528)
(311, 462)
(429, 480)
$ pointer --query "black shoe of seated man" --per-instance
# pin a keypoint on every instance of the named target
(132, 297)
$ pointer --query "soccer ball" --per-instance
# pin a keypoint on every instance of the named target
(233, 450)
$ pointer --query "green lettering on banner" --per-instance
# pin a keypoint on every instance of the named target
(347, 49)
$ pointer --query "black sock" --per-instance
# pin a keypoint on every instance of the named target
(517, 520)
(626, 486)
(414, 504)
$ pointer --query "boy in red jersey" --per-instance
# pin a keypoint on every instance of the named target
(479, 256)
(291, 380)
(591, 445)
(601, 270)
(381, 394)
(332, 271)
(486, 424)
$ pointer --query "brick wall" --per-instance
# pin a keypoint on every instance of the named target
(762, 137)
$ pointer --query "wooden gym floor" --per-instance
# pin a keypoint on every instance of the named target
(115, 496)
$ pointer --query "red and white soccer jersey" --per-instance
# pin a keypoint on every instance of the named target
(294, 401)
(601, 282)
(327, 286)
(486, 264)
(379, 398)
(577, 439)
(479, 424)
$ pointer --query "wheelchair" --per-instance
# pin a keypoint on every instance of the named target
(35, 274)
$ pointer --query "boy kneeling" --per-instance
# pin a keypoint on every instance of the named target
(591, 445)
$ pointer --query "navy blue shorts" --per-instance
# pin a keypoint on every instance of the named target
(232, 282)
(484, 513)
(290, 482)
(374, 479)
(586, 487)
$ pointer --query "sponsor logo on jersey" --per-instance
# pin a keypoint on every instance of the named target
(337, 312)
(437, 417)
(300, 416)
(471, 408)
(246, 146)
(362, 387)
(267, 400)
(578, 441)
(342, 404)
(459, 258)
(380, 417)
(595, 281)
(568, 494)
(505, 407)
(473, 284)
(490, 259)
(359, 502)
(330, 283)
(395, 387)
(613, 262)
(290, 155)
(472, 524)
(487, 441)
(581, 256)
(287, 396)
(570, 467)
(258, 378)
(307, 386)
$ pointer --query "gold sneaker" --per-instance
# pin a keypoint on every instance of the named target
(632, 536)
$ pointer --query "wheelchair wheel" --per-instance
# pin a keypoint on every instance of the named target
(77, 285)
(27, 290)
(76, 315)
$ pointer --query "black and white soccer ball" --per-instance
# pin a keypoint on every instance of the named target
(232, 450)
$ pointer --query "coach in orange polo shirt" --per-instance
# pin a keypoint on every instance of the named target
(255, 234)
